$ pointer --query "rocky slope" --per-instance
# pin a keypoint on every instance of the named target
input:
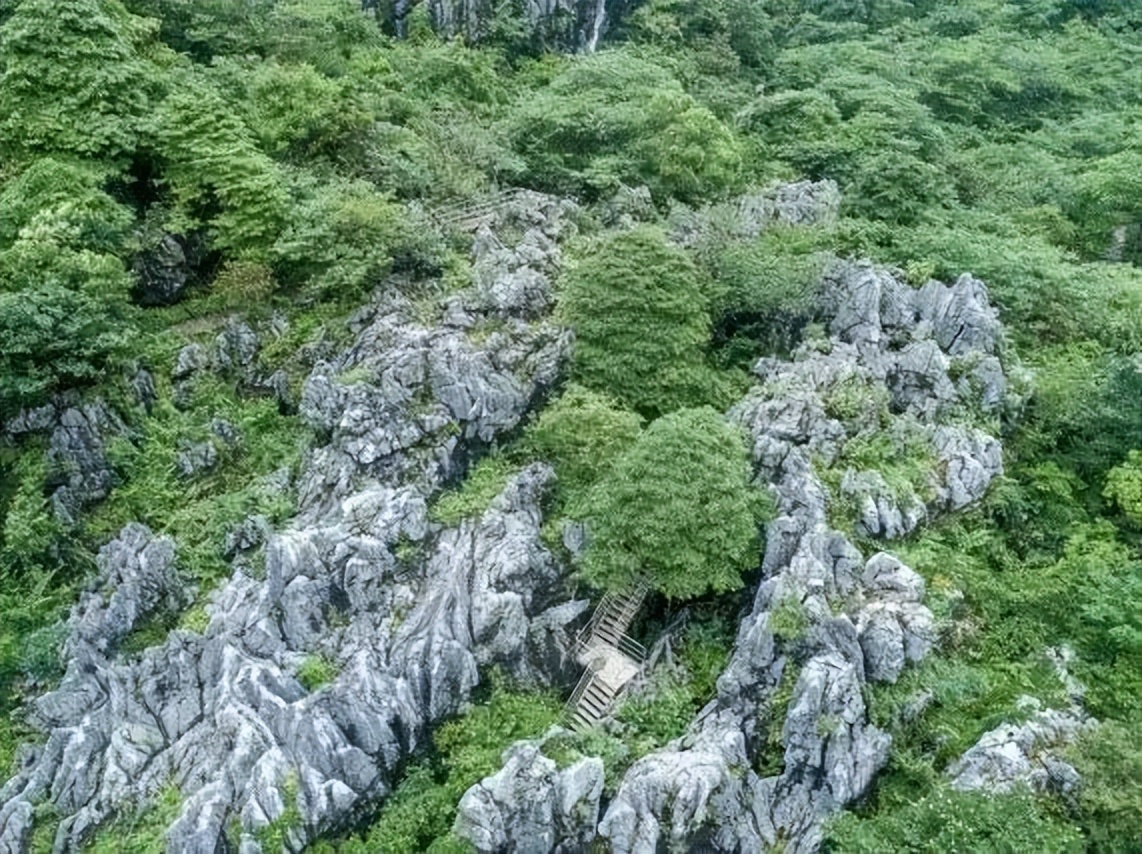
(223, 714)
(862, 618)
(571, 25)
(404, 611)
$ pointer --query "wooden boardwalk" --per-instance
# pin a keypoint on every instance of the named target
(611, 658)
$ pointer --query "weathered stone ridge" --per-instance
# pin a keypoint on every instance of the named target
(864, 618)
(403, 611)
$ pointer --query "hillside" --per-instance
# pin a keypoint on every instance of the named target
(379, 380)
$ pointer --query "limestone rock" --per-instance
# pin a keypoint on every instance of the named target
(1010, 755)
(162, 273)
(531, 807)
(195, 458)
(78, 468)
(235, 348)
(404, 611)
(896, 347)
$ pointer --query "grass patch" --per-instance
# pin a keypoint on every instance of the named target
(142, 832)
(316, 671)
(475, 494)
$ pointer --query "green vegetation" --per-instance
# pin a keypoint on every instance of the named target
(143, 832)
(947, 820)
(641, 322)
(676, 510)
(581, 434)
(315, 671)
(475, 494)
(280, 140)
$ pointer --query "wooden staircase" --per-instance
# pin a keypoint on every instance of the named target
(611, 658)
(468, 215)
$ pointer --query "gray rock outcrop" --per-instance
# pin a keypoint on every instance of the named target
(531, 806)
(570, 25)
(404, 612)
(78, 470)
(1011, 756)
(797, 203)
(864, 619)
(162, 272)
(224, 713)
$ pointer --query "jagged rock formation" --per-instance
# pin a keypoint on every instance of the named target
(571, 25)
(79, 473)
(403, 611)
(1010, 756)
(532, 807)
(164, 271)
(797, 203)
(859, 619)
(1028, 755)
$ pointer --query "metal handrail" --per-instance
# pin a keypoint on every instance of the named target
(460, 211)
(580, 689)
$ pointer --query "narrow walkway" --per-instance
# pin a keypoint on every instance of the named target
(469, 215)
(611, 658)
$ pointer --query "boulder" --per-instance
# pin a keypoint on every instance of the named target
(162, 273)
(530, 806)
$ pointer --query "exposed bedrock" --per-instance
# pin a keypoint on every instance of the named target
(400, 612)
(568, 25)
(914, 365)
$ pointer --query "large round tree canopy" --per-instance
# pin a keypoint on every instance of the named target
(676, 510)
(641, 323)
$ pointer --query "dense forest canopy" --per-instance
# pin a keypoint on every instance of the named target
(165, 165)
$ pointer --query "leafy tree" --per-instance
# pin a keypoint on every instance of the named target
(216, 174)
(581, 434)
(66, 199)
(641, 321)
(613, 117)
(53, 337)
(341, 237)
(676, 509)
(763, 292)
(1124, 487)
(73, 80)
(293, 111)
(1110, 762)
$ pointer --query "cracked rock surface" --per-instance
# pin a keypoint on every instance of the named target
(890, 349)
(223, 714)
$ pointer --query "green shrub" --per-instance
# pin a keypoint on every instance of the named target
(948, 820)
(581, 434)
(73, 80)
(341, 237)
(789, 620)
(764, 292)
(474, 495)
(641, 322)
(242, 283)
(65, 199)
(418, 815)
(1124, 487)
(316, 671)
(1110, 801)
(43, 649)
(54, 338)
(142, 832)
(613, 117)
(217, 176)
(676, 510)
